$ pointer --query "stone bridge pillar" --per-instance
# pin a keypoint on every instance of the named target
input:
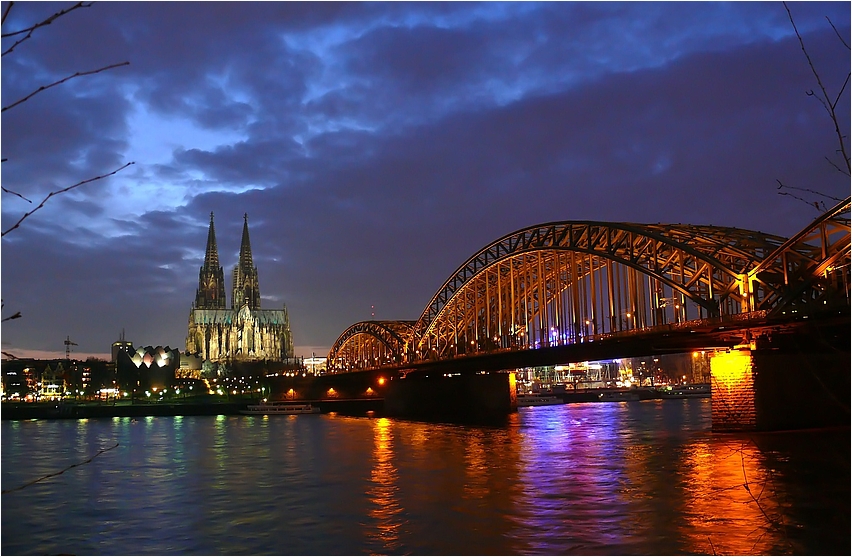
(791, 381)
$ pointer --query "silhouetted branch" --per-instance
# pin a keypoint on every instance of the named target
(15, 316)
(60, 472)
(837, 33)
(781, 185)
(69, 188)
(16, 193)
(61, 81)
(832, 163)
(814, 204)
(29, 30)
(839, 94)
(8, 9)
(825, 100)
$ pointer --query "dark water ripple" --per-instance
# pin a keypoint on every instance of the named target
(589, 479)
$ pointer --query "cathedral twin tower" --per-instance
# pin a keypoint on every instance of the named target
(244, 332)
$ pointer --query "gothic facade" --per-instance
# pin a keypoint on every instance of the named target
(244, 332)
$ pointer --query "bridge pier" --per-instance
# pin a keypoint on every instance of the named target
(784, 382)
(452, 396)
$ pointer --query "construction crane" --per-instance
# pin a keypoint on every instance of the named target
(68, 345)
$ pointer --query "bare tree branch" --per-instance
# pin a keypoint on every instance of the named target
(15, 316)
(100, 452)
(29, 30)
(47, 21)
(782, 185)
(826, 100)
(6, 13)
(69, 188)
(61, 81)
(16, 193)
(814, 204)
(832, 163)
(837, 33)
(845, 83)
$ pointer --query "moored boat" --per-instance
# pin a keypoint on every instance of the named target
(687, 391)
(273, 408)
(538, 400)
(619, 396)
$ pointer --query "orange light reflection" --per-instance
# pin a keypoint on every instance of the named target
(386, 509)
(730, 503)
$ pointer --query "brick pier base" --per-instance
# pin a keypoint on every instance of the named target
(787, 382)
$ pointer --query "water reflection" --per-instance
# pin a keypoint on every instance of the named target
(385, 509)
(632, 478)
(732, 504)
(575, 494)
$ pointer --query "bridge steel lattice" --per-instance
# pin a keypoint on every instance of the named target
(571, 282)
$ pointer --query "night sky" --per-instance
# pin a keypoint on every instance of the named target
(375, 147)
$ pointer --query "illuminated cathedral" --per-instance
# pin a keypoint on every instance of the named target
(243, 333)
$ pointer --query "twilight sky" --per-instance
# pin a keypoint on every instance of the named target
(377, 146)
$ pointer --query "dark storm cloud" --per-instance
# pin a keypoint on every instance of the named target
(83, 135)
(377, 146)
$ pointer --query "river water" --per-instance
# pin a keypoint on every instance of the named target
(603, 478)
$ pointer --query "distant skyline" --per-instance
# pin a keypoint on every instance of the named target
(376, 146)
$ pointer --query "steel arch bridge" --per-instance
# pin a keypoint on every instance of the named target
(570, 282)
(371, 344)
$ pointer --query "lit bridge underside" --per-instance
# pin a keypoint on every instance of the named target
(565, 284)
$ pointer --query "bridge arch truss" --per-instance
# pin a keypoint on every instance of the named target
(370, 344)
(572, 281)
(579, 281)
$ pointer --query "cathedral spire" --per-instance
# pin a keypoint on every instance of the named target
(211, 278)
(245, 246)
(211, 258)
(246, 288)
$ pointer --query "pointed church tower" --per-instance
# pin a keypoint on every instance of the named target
(211, 278)
(246, 287)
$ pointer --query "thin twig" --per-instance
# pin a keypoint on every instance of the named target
(813, 204)
(827, 100)
(61, 81)
(832, 163)
(69, 188)
(15, 316)
(711, 545)
(29, 30)
(840, 93)
(16, 193)
(60, 472)
(47, 21)
(783, 185)
(8, 9)
(837, 33)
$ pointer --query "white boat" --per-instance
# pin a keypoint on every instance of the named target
(537, 400)
(273, 408)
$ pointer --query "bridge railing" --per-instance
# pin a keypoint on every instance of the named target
(734, 322)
